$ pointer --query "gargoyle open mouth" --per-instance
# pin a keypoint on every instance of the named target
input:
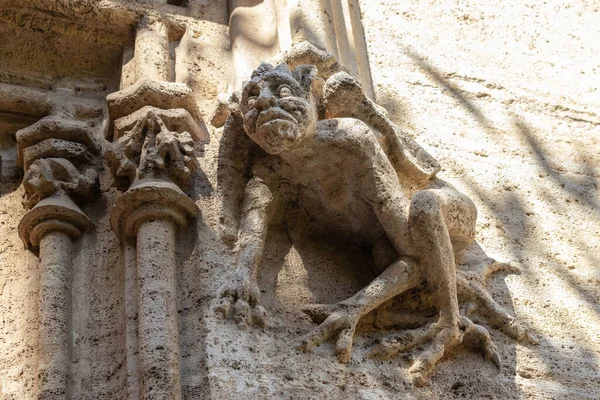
(273, 114)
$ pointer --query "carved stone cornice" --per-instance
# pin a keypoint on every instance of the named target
(55, 128)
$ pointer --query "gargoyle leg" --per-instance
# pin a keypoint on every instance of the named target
(494, 314)
(342, 317)
(442, 224)
(434, 216)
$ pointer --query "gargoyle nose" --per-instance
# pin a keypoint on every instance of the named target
(266, 99)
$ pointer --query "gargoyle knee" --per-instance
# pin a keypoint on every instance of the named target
(425, 206)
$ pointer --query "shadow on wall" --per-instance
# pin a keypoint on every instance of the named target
(560, 193)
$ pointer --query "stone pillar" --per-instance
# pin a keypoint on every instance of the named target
(158, 330)
(56, 250)
(151, 211)
(49, 151)
(152, 50)
(156, 126)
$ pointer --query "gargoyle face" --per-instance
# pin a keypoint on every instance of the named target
(279, 112)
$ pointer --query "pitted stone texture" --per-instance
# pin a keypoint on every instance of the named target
(152, 142)
(55, 212)
(53, 151)
(56, 253)
(155, 93)
(152, 49)
(55, 148)
(158, 332)
(55, 128)
(149, 199)
(352, 177)
(47, 176)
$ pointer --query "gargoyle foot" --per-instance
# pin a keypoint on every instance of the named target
(319, 312)
(339, 321)
(440, 339)
(477, 299)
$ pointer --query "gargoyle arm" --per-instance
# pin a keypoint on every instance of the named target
(239, 296)
(253, 228)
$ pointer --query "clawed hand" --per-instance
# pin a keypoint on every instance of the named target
(340, 320)
(239, 299)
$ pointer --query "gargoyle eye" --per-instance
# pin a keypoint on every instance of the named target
(250, 101)
(285, 91)
(251, 95)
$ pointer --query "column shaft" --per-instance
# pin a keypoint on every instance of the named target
(152, 51)
(56, 250)
(158, 329)
(131, 312)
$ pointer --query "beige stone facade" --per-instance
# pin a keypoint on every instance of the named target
(136, 184)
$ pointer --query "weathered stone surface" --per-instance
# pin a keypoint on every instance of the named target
(156, 126)
(153, 142)
(55, 128)
(147, 92)
(129, 210)
(53, 222)
(428, 224)
(503, 97)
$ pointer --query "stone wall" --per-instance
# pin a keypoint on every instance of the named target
(504, 96)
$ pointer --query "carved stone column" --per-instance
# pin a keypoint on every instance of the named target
(53, 152)
(156, 124)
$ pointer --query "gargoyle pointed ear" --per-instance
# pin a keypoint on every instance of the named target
(305, 75)
(262, 69)
(283, 68)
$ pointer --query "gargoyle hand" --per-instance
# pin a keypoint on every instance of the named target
(239, 299)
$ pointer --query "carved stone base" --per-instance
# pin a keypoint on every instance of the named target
(54, 213)
(150, 199)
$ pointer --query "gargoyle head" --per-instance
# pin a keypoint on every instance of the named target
(278, 107)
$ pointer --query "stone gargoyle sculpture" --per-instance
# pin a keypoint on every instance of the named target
(319, 141)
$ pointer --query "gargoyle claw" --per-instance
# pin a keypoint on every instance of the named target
(238, 300)
(341, 324)
(440, 341)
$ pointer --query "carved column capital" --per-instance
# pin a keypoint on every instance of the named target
(156, 125)
(155, 128)
(54, 213)
(53, 152)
